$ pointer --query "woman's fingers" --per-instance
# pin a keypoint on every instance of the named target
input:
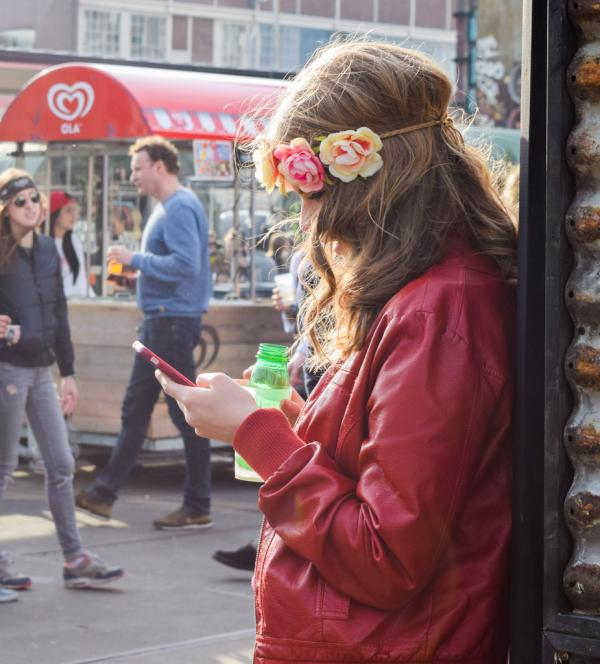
(215, 408)
(296, 398)
(170, 387)
(5, 321)
(291, 410)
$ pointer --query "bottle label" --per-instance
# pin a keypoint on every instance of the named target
(265, 397)
(268, 397)
(243, 471)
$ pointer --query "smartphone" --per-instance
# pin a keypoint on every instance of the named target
(13, 334)
(161, 365)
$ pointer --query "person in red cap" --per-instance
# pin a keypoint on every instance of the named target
(63, 215)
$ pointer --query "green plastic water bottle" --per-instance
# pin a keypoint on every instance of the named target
(270, 384)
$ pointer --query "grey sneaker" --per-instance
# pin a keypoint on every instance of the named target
(9, 578)
(8, 596)
(181, 519)
(91, 572)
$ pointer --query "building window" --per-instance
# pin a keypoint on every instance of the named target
(296, 45)
(442, 52)
(148, 37)
(237, 46)
(23, 39)
(101, 33)
(310, 40)
(290, 49)
(267, 47)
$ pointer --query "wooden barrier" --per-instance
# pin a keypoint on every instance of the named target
(103, 331)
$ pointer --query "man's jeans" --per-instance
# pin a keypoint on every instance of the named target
(173, 339)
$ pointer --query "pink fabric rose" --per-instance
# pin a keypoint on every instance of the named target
(348, 154)
(300, 166)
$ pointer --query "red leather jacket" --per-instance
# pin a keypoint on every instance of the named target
(387, 509)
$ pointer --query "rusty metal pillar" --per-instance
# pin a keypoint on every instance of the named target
(581, 579)
(557, 543)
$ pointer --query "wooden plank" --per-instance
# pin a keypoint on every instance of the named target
(103, 331)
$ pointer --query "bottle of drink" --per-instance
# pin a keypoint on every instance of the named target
(270, 384)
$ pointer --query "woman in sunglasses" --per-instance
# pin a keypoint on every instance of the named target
(34, 333)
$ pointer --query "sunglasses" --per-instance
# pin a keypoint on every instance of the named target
(21, 200)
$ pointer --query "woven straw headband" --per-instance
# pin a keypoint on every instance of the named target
(445, 120)
(344, 155)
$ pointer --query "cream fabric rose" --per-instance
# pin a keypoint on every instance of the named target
(348, 154)
(265, 168)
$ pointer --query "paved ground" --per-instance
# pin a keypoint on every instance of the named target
(175, 606)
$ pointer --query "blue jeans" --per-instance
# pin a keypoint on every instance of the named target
(31, 391)
(172, 338)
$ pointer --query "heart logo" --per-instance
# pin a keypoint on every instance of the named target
(69, 102)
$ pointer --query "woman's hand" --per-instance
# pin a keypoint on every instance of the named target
(295, 366)
(277, 300)
(70, 395)
(289, 407)
(5, 321)
(216, 408)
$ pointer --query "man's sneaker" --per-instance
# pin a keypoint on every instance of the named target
(181, 519)
(89, 573)
(93, 507)
(242, 558)
(9, 578)
(8, 596)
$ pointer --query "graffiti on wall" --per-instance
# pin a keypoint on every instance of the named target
(498, 87)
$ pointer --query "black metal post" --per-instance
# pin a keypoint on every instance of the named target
(466, 55)
(527, 553)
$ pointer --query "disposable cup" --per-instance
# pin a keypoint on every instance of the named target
(114, 267)
(285, 284)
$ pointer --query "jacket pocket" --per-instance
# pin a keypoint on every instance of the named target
(331, 604)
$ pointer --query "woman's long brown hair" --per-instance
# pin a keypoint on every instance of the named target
(8, 242)
(399, 222)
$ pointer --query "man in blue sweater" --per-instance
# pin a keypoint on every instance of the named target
(173, 291)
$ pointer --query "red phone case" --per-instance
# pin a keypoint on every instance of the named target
(158, 363)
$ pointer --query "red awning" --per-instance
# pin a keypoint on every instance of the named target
(92, 102)
(5, 101)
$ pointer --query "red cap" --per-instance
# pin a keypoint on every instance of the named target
(58, 200)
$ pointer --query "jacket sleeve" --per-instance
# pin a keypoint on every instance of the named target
(63, 347)
(378, 537)
(183, 251)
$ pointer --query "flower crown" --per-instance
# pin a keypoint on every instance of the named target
(298, 166)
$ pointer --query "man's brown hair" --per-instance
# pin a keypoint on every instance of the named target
(158, 149)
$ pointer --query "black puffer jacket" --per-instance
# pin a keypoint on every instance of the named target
(31, 293)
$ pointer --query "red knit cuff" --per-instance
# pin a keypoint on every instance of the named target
(265, 440)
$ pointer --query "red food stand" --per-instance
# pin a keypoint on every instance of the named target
(93, 102)
(71, 127)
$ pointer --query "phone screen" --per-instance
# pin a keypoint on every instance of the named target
(158, 363)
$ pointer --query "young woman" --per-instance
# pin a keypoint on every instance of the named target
(387, 502)
(63, 215)
(34, 332)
